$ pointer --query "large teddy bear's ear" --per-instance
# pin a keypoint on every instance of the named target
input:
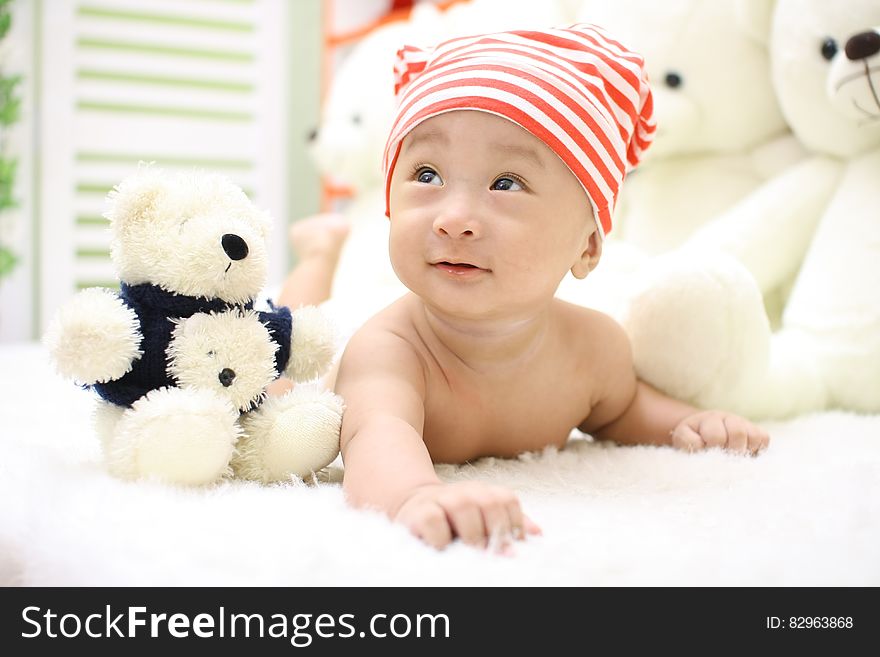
(137, 197)
(756, 18)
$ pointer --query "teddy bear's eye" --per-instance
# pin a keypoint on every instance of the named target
(211, 353)
(356, 119)
(673, 80)
(829, 48)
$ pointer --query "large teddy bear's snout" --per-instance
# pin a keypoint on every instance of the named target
(863, 45)
(676, 110)
(854, 78)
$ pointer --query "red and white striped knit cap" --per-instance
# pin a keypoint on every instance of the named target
(579, 91)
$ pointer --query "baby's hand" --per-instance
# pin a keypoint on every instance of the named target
(477, 513)
(718, 429)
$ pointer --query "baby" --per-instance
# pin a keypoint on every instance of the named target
(502, 169)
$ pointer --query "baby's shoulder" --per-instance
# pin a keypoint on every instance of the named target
(598, 346)
(593, 331)
(605, 357)
(387, 338)
(381, 374)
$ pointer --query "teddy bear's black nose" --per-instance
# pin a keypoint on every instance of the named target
(227, 376)
(862, 46)
(235, 247)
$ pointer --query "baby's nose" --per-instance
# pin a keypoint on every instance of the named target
(456, 224)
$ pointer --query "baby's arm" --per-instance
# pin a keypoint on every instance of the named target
(387, 465)
(629, 411)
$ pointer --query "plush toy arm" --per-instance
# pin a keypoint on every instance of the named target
(775, 156)
(769, 231)
(94, 338)
(312, 344)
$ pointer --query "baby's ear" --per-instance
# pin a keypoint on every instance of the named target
(137, 197)
(589, 257)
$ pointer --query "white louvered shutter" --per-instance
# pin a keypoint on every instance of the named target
(184, 83)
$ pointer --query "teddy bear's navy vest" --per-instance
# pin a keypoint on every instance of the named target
(155, 308)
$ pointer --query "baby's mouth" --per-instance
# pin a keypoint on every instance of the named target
(459, 267)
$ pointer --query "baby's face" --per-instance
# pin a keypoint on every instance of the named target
(485, 218)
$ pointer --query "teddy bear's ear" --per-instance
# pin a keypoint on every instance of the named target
(755, 17)
(194, 325)
(136, 197)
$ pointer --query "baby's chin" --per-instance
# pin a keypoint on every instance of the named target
(476, 310)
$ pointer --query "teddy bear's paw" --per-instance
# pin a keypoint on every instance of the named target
(292, 435)
(94, 338)
(313, 344)
(697, 327)
(105, 418)
(177, 435)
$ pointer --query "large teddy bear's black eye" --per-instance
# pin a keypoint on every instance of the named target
(829, 48)
(673, 80)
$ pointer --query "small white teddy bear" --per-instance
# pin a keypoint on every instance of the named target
(180, 357)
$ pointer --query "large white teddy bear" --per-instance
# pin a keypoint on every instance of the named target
(181, 358)
(719, 126)
(720, 130)
(355, 121)
(696, 321)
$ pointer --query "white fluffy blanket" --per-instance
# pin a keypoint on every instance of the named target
(807, 512)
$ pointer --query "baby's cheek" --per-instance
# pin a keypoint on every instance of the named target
(539, 267)
(403, 259)
(396, 248)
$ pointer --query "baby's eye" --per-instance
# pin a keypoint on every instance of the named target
(428, 176)
(506, 184)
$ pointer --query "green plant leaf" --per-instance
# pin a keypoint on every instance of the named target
(10, 106)
(8, 260)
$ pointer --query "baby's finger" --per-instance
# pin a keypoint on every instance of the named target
(737, 434)
(517, 519)
(432, 527)
(497, 522)
(467, 522)
(531, 527)
(686, 438)
(758, 440)
(712, 431)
